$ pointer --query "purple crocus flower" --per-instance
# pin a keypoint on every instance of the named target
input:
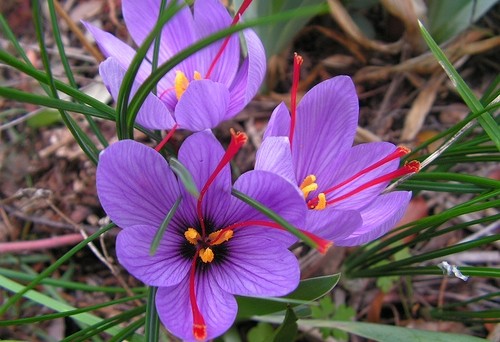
(205, 89)
(214, 247)
(341, 185)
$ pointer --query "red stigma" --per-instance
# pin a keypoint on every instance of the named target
(236, 18)
(199, 326)
(410, 167)
(398, 153)
(322, 245)
(167, 138)
(297, 62)
(238, 139)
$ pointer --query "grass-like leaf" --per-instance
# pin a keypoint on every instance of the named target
(51, 303)
(163, 227)
(53, 267)
(184, 175)
(86, 144)
(66, 313)
(486, 120)
(152, 323)
(378, 332)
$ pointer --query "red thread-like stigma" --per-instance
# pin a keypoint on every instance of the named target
(238, 139)
(297, 62)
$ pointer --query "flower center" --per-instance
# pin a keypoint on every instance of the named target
(320, 201)
(203, 245)
(181, 82)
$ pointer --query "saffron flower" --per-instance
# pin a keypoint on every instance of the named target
(205, 89)
(341, 185)
(214, 247)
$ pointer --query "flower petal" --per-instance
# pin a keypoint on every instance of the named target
(350, 163)
(218, 307)
(153, 113)
(113, 47)
(200, 154)
(274, 155)
(379, 218)
(166, 267)
(279, 123)
(256, 266)
(331, 224)
(211, 16)
(250, 76)
(203, 105)
(326, 123)
(177, 34)
(135, 184)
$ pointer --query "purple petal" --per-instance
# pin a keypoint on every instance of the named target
(250, 76)
(153, 113)
(332, 224)
(327, 117)
(257, 266)
(379, 218)
(200, 154)
(211, 16)
(218, 307)
(166, 267)
(113, 47)
(274, 155)
(279, 123)
(203, 105)
(177, 34)
(275, 193)
(351, 162)
(135, 185)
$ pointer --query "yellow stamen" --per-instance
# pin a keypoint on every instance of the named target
(309, 184)
(206, 255)
(192, 235)
(181, 83)
(321, 202)
(216, 240)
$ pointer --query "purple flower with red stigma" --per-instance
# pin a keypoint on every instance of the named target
(342, 185)
(215, 246)
(205, 89)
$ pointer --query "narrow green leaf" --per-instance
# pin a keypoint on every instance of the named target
(152, 323)
(379, 332)
(64, 283)
(86, 144)
(129, 331)
(486, 120)
(66, 313)
(105, 111)
(287, 331)
(106, 325)
(307, 291)
(163, 227)
(53, 267)
(67, 69)
(274, 216)
(51, 303)
(184, 175)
